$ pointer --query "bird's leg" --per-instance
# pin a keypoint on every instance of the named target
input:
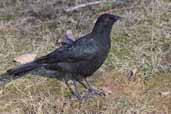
(82, 84)
(67, 84)
(86, 87)
(93, 91)
(76, 92)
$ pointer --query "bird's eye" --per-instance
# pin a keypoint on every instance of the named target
(111, 18)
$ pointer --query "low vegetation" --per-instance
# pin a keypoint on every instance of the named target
(140, 43)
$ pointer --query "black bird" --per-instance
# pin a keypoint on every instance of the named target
(78, 59)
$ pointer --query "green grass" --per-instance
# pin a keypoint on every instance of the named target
(139, 41)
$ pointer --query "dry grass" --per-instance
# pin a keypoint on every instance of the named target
(141, 41)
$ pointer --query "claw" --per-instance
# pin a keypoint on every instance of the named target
(92, 91)
(77, 95)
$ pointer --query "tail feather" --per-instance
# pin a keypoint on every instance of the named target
(17, 72)
(22, 69)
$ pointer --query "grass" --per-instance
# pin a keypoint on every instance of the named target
(140, 41)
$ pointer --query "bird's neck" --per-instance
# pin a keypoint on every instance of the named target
(103, 31)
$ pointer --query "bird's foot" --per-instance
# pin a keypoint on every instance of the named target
(96, 92)
(77, 96)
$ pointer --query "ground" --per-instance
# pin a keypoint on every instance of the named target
(140, 42)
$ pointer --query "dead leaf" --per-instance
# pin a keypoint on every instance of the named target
(25, 58)
(132, 73)
(68, 37)
(165, 93)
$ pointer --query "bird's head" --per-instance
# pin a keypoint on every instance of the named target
(105, 21)
(108, 19)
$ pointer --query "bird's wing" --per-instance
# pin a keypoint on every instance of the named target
(76, 52)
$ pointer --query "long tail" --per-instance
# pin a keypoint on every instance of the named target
(23, 69)
(18, 72)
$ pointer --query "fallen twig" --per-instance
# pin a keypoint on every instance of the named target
(87, 4)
